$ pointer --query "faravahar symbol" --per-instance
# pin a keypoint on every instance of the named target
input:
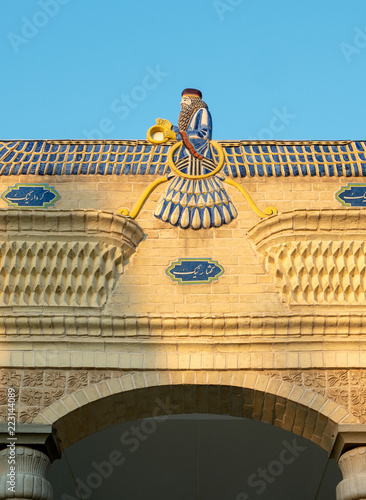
(196, 197)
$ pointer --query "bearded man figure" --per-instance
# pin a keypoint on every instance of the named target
(196, 197)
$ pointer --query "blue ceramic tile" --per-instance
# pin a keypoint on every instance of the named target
(118, 169)
(277, 170)
(269, 170)
(49, 170)
(102, 168)
(287, 170)
(304, 170)
(42, 169)
(295, 169)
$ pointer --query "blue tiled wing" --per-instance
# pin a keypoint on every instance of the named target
(82, 158)
(242, 158)
(318, 158)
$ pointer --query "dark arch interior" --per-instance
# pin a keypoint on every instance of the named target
(187, 399)
(194, 457)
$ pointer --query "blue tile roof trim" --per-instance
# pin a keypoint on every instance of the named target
(243, 158)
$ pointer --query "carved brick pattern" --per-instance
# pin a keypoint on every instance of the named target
(345, 387)
(33, 378)
(320, 272)
(53, 273)
(55, 378)
(4, 395)
(37, 389)
(338, 378)
(294, 377)
(340, 396)
(10, 378)
(29, 414)
(316, 380)
(358, 377)
(52, 396)
(98, 376)
(76, 380)
(30, 397)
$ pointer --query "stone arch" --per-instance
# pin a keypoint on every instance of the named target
(141, 395)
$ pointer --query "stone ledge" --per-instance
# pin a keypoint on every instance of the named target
(349, 436)
(190, 326)
(36, 436)
(163, 355)
(113, 228)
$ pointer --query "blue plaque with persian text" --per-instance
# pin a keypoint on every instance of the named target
(30, 196)
(352, 195)
(194, 271)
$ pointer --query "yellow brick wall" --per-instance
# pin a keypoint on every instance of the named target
(144, 288)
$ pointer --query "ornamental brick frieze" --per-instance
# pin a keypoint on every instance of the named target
(151, 325)
(62, 258)
(39, 389)
(127, 396)
(345, 387)
(317, 257)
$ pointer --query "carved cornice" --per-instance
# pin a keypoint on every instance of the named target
(38, 436)
(61, 257)
(193, 326)
(347, 224)
(317, 257)
(86, 225)
(349, 437)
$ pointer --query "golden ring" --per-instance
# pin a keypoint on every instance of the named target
(217, 169)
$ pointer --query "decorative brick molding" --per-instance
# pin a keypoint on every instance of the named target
(318, 257)
(112, 400)
(187, 326)
(62, 258)
(38, 389)
(345, 387)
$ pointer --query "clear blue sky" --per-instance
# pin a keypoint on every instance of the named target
(284, 69)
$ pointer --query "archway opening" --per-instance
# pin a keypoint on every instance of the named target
(194, 457)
